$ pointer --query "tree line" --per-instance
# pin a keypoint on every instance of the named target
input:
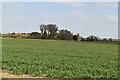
(51, 31)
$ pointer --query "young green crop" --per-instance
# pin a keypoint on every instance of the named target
(60, 59)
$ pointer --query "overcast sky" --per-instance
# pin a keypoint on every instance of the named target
(86, 18)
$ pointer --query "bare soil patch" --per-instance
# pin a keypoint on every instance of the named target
(7, 75)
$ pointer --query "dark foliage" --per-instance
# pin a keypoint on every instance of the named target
(75, 37)
(65, 35)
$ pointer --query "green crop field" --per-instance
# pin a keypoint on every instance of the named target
(60, 59)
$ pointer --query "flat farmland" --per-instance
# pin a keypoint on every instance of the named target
(60, 59)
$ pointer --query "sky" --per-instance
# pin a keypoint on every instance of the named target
(60, 0)
(86, 18)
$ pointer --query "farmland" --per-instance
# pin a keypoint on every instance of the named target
(60, 59)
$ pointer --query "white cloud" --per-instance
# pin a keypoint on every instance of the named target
(112, 17)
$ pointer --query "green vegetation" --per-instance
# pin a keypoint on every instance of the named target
(51, 31)
(60, 59)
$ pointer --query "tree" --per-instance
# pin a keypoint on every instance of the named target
(104, 40)
(0, 35)
(35, 35)
(78, 37)
(26, 35)
(92, 38)
(75, 37)
(83, 39)
(52, 31)
(65, 35)
(44, 36)
(110, 40)
(43, 29)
